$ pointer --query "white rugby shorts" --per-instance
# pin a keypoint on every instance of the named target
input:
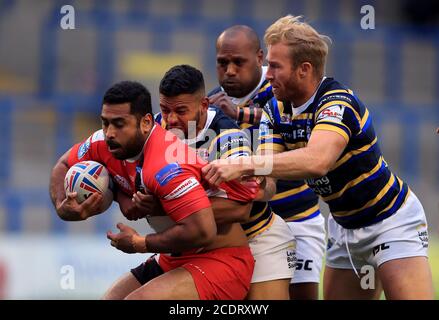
(274, 252)
(404, 234)
(310, 238)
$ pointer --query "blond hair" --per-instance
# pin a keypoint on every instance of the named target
(305, 43)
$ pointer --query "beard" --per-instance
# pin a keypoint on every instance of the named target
(289, 90)
(132, 149)
(191, 129)
(240, 89)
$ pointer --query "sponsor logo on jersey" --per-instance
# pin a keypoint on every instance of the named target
(83, 148)
(334, 97)
(229, 144)
(168, 172)
(333, 113)
(186, 186)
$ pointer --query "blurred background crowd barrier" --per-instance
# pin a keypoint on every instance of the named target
(52, 81)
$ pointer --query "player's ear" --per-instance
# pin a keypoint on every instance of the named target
(204, 104)
(146, 123)
(260, 57)
(305, 69)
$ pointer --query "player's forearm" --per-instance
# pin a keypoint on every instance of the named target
(258, 116)
(249, 114)
(56, 188)
(228, 211)
(291, 165)
(175, 239)
(192, 233)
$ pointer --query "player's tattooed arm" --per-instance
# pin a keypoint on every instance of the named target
(67, 207)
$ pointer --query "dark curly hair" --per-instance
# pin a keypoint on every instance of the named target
(181, 79)
(130, 92)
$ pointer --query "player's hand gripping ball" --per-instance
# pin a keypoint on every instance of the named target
(86, 178)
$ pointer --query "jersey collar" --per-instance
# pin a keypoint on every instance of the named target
(211, 113)
(303, 107)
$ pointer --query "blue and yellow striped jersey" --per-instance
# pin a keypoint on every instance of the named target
(360, 190)
(221, 138)
(294, 200)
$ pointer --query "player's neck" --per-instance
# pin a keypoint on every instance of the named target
(306, 93)
(201, 123)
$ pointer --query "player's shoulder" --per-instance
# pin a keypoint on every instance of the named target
(214, 91)
(97, 136)
(92, 148)
(97, 139)
(163, 147)
(331, 91)
(226, 128)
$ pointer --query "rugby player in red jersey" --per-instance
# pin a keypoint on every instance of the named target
(199, 259)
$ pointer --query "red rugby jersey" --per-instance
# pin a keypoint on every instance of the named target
(171, 171)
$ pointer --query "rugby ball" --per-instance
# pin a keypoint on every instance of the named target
(86, 178)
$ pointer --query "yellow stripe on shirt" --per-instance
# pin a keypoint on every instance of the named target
(289, 192)
(394, 200)
(338, 91)
(303, 116)
(258, 215)
(271, 146)
(244, 125)
(354, 182)
(222, 134)
(271, 136)
(371, 202)
(304, 214)
(364, 120)
(297, 145)
(328, 127)
(352, 153)
(237, 149)
(259, 228)
(267, 85)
